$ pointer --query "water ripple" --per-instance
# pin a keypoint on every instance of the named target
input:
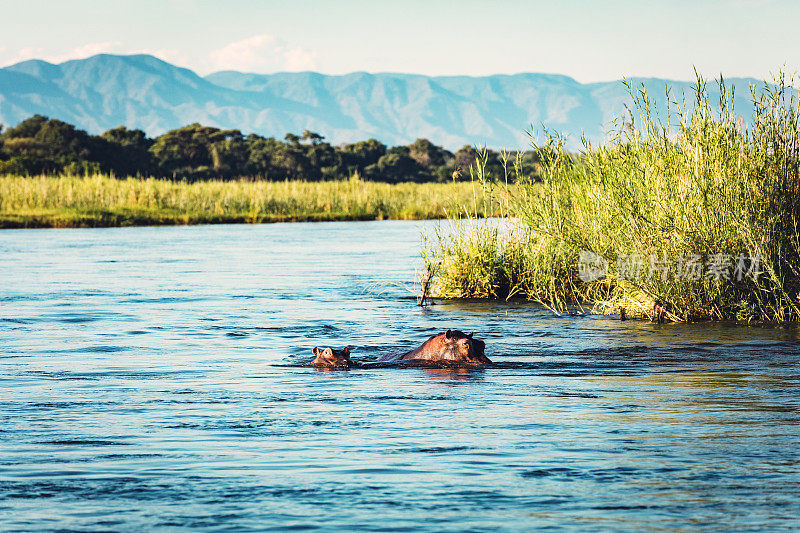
(152, 379)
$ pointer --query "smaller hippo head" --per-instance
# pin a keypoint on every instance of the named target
(330, 357)
(454, 345)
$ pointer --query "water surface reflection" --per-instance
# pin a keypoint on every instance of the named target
(148, 380)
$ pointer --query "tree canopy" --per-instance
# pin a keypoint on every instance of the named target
(42, 145)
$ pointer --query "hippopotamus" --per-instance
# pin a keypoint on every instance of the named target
(451, 348)
(331, 358)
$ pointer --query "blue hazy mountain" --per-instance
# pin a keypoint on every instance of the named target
(141, 91)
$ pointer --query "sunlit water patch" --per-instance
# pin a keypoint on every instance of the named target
(146, 382)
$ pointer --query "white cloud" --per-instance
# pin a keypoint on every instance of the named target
(23, 54)
(90, 49)
(262, 53)
(79, 52)
(299, 58)
(170, 55)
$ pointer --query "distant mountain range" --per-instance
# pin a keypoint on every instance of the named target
(141, 91)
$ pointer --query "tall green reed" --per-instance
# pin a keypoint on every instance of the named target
(703, 187)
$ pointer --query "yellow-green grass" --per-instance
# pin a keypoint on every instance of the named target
(99, 200)
(703, 186)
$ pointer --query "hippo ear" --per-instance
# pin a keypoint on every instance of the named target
(448, 334)
(345, 351)
(315, 351)
(470, 335)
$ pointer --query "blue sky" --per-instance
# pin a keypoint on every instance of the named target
(590, 41)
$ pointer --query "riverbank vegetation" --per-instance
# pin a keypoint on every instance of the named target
(101, 200)
(40, 145)
(691, 218)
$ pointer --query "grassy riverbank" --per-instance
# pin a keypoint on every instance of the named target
(687, 221)
(97, 201)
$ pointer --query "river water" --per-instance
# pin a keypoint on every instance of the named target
(146, 384)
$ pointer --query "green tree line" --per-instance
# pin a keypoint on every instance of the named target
(40, 145)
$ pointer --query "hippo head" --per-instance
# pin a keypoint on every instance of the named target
(330, 357)
(454, 345)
